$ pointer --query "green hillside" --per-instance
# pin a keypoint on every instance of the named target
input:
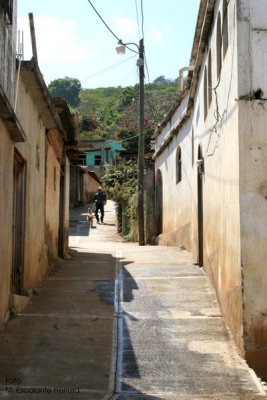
(112, 112)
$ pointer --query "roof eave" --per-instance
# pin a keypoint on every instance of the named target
(204, 22)
(35, 84)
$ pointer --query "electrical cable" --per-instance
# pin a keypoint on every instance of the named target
(106, 69)
(111, 31)
(142, 13)
(153, 109)
(106, 25)
(124, 79)
(137, 18)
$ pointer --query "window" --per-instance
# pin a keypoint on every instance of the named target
(97, 160)
(178, 165)
(219, 46)
(225, 27)
(82, 159)
(7, 6)
(205, 94)
(209, 79)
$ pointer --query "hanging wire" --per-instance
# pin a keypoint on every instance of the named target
(127, 76)
(103, 71)
(106, 25)
(153, 107)
(137, 18)
(111, 31)
(142, 13)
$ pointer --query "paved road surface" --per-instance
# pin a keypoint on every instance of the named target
(121, 321)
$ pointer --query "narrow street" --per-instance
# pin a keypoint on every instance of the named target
(120, 321)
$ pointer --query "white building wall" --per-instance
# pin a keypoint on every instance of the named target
(233, 143)
(252, 24)
(177, 196)
(217, 136)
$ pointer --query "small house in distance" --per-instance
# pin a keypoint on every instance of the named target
(100, 152)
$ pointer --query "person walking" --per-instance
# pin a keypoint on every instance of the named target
(100, 200)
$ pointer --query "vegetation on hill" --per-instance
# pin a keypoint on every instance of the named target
(66, 88)
(112, 113)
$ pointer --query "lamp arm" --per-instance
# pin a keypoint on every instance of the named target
(120, 42)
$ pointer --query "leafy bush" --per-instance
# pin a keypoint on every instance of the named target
(121, 186)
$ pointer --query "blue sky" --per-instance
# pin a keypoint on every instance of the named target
(72, 40)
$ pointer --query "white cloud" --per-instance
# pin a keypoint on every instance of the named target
(57, 40)
(123, 27)
(155, 34)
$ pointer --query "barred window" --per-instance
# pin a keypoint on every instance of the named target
(7, 7)
(178, 165)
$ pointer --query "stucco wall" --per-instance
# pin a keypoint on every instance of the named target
(74, 187)
(217, 137)
(177, 197)
(90, 188)
(66, 205)
(253, 203)
(6, 218)
(252, 25)
(33, 151)
(52, 202)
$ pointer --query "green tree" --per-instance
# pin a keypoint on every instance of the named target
(162, 80)
(121, 185)
(67, 88)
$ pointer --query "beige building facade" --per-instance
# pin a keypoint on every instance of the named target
(34, 175)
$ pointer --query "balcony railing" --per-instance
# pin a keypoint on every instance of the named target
(7, 7)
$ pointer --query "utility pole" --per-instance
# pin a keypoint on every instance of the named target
(141, 152)
(141, 146)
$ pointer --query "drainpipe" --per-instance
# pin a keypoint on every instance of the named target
(181, 77)
(20, 57)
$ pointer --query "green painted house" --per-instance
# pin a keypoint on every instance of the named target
(100, 152)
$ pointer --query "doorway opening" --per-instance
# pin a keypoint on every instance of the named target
(61, 216)
(200, 172)
(159, 205)
(18, 226)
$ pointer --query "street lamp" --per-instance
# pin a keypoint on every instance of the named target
(141, 162)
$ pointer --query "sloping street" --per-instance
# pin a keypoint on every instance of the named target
(120, 321)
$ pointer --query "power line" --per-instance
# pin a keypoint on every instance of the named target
(142, 13)
(137, 18)
(130, 73)
(107, 69)
(106, 25)
(153, 106)
(111, 31)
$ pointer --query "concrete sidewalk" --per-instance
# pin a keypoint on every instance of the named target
(120, 321)
(60, 347)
